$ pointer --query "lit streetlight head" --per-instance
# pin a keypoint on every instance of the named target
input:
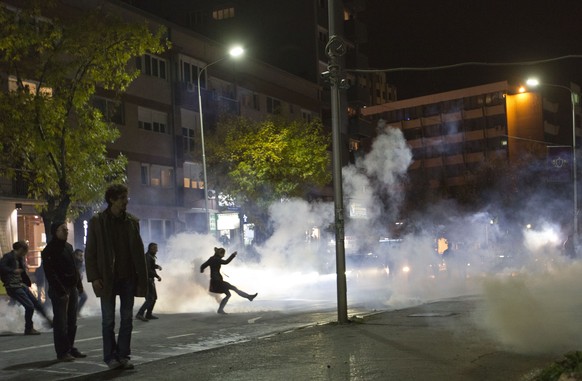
(532, 82)
(236, 51)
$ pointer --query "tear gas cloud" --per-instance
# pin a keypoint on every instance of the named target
(526, 286)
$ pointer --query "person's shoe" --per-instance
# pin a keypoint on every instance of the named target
(141, 317)
(126, 364)
(76, 354)
(114, 364)
(67, 357)
(253, 296)
(222, 312)
(31, 331)
(151, 317)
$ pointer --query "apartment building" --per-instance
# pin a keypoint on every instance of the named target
(159, 120)
(292, 35)
(452, 134)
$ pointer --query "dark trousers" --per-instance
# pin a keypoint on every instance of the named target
(64, 320)
(24, 296)
(148, 306)
(82, 300)
(120, 348)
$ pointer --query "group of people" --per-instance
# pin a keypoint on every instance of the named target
(115, 266)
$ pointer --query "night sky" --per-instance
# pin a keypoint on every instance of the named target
(425, 33)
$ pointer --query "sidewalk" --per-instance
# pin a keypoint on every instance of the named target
(435, 341)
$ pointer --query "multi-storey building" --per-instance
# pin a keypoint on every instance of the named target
(453, 134)
(160, 128)
(291, 35)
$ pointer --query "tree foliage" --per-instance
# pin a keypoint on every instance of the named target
(259, 162)
(54, 138)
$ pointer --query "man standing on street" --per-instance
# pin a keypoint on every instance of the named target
(115, 265)
(148, 306)
(17, 283)
(64, 286)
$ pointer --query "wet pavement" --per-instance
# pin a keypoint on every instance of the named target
(433, 341)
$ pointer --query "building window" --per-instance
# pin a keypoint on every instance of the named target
(157, 175)
(306, 115)
(28, 86)
(112, 110)
(188, 139)
(145, 174)
(198, 18)
(273, 106)
(152, 120)
(152, 66)
(189, 73)
(192, 176)
(223, 14)
(156, 230)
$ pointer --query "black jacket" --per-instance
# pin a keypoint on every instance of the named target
(151, 265)
(58, 262)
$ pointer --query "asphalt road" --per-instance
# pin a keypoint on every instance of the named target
(33, 357)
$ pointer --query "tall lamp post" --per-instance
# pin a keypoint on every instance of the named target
(335, 49)
(234, 52)
(534, 82)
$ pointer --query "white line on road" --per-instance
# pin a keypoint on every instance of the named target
(174, 337)
(50, 345)
(253, 320)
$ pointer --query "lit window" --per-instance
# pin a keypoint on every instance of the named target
(191, 175)
(27, 85)
(223, 14)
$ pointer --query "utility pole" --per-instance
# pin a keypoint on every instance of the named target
(335, 49)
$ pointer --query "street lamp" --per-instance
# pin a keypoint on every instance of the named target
(534, 82)
(234, 52)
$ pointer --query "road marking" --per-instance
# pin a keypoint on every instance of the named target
(184, 335)
(48, 345)
(253, 320)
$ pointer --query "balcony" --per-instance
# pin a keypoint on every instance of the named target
(213, 104)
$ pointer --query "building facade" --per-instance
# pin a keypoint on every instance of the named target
(455, 134)
(292, 35)
(159, 120)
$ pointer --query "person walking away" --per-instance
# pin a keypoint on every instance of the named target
(115, 265)
(41, 288)
(217, 283)
(64, 282)
(148, 306)
(78, 254)
(17, 282)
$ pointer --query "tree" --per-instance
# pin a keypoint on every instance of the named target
(54, 137)
(259, 162)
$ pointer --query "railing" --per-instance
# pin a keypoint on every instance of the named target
(212, 103)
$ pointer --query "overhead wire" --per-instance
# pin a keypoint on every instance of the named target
(462, 64)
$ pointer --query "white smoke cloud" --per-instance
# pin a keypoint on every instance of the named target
(529, 289)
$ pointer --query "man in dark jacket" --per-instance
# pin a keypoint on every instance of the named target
(17, 283)
(64, 282)
(115, 265)
(148, 306)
